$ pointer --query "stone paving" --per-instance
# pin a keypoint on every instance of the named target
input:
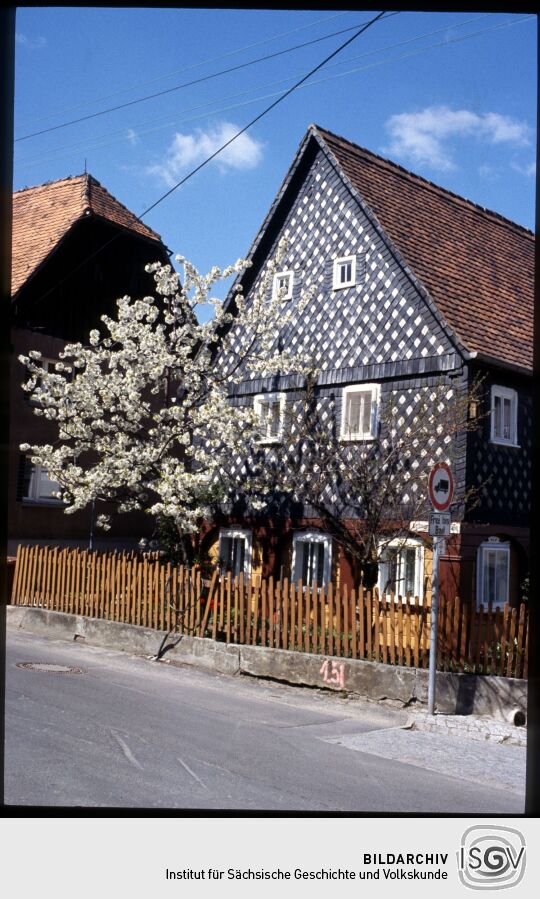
(473, 727)
(490, 763)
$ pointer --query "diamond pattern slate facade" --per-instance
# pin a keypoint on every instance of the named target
(390, 328)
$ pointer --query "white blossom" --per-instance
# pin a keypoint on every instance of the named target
(143, 412)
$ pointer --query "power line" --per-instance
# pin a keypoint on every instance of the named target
(196, 65)
(250, 124)
(185, 84)
(171, 118)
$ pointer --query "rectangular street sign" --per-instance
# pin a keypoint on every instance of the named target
(439, 524)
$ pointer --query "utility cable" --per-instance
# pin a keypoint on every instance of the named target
(185, 84)
(172, 118)
(196, 65)
(205, 162)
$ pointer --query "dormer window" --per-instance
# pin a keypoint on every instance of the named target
(269, 407)
(344, 272)
(504, 403)
(283, 286)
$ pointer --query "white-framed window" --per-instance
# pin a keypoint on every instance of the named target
(504, 405)
(401, 568)
(41, 487)
(344, 272)
(312, 558)
(493, 573)
(282, 288)
(360, 412)
(270, 408)
(235, 548)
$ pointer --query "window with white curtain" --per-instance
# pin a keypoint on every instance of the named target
(401, 568)
(493, 578)
(312, 558)
(235, 551)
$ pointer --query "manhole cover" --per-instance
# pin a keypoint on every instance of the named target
(49, 667)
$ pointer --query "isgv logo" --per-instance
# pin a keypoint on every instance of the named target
(491, 858)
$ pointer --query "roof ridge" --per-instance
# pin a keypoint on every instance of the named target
(89, 181)
(23, 190)
(425, 182)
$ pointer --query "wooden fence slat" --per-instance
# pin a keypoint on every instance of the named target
(511, 647)
(209, 601)
(236, 612)
(338, 622)
(228, 607)
(271, 612)
(330, 597)
(322, 619)
(255, 619)
(376, 610)
(14, 598)
(337, 639)
(520, 642)
(297, 635)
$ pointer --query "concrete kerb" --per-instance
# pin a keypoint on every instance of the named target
(457, 694)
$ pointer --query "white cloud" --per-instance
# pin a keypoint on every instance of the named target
(32, 43)
(188, 150)
(423, 137)
(528, 170)
(132, 137)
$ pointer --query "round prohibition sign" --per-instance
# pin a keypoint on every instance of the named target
(441, 486)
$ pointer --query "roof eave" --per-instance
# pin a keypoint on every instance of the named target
(476, 356)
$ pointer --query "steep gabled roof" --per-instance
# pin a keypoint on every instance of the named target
(477, 266)
(43, 215)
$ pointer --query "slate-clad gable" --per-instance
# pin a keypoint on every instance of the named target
(382, 319)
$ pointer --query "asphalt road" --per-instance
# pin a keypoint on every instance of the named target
(128, 732)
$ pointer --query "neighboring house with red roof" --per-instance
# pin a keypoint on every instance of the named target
(76, 250)
(413, 284)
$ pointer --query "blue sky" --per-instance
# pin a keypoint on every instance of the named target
(451, 96)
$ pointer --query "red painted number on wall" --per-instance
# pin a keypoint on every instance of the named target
(333, 673)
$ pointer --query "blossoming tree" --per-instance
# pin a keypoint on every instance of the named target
(141, 411)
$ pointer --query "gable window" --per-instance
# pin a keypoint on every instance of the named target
(283, 286)
(504, 402)
(235, 551)
(270, 407)
(493, 576)
(359, 416)
(312, 558)
(344, 272)
(37, 486)
(401, 568)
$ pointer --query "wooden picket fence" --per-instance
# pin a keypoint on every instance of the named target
(345, 623)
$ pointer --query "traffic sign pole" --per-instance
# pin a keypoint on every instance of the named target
(441, 492)
(433, 629)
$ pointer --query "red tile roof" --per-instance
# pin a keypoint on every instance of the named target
(477, 266)
(42, 216)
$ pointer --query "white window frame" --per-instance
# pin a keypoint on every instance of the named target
(311, 537)
(505, 393)
(344, 260)
(238, 534)
(491, 546)
(403, 544)
(275, 286)
(264, 398)
(34, 495)
(375, 390)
